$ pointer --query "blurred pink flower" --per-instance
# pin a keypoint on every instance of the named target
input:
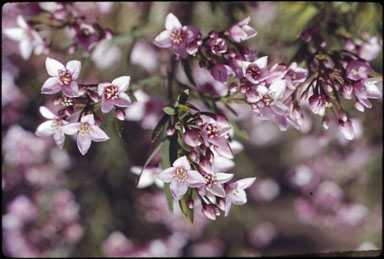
(222, 72)
(148, 177)
(62, 78)
(236, 194)
(241, 31)
(114, 93)
(117, 245)
(86, 131)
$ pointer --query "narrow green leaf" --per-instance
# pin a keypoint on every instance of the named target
(149, 159)
(187, 212)
(182, 111)
(159, 127)
(173, 147)
(166, 164)
(169, 110)
(119, 126)
(182, 98)
(188, 71)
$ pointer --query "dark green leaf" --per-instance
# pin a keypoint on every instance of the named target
(182, 111)
(182, 98)
(188, 71)
(166, 164)
(173, 147)
(169, 110)
(149, 159)
(159, 127)
(187, 212)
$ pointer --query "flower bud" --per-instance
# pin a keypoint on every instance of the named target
(120, 114)
(243, 88)
(202, 63)
(343, 115)
(199, 122)
(193, 155)
(191, 138)
(170, 130)
(209, 211)
(191, 204)
(71, 49)
(359, 106)
(346, 128)
(232, 88)
(97, 120)
(82, 90)
(325, 122)
(217, 211)
(68, 111)
(93, 96)
(213, 34)
(220, 203)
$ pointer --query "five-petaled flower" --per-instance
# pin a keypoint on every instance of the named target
(51, 127)
(236, 194)
(114, 94)
(87, 131)
(62, 77)
(181, 177)
(241, 31)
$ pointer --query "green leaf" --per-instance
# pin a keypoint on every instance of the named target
(159, 127)
(149, 159)
(187, 212)
(169, 110)
(119, 125)
(188, 71)
(166, 164)
(182, 98)
(182, 111)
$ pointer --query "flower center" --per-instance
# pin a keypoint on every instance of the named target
(177, 36)
(234, 193)
(180, 174)
(111, 92)
(210, 179)
(267, 100)
(67, 101)
(65, 78)
(354, 72)
(84, 129)
(56, 124)
(254, 72)
(212, 131)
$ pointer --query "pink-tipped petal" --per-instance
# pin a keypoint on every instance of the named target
(106, 105)
(97, 134)
(123, 100)
(191, 138)
(171, 22)
(195, 179)
(122, 83)
(71, 129)
(246, 182)
(163, 40)
(45, 129)
(178, 189)
(51, 86)
(71, 90)
(101, 87)
(83, 143)
(47, 113)
(53, 66)
(166, 175)
(182, 162)
(74, 67)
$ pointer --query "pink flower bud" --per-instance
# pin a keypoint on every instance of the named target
(243, 88)
(343, 115)
(199, 122)
(97, 120)
(119, 114)
(209, 211)
(213, 34)
(82, 90)
(94, 97)
(190, 204)
(193, 155)
(359, 106)
(191, 138)
(170, 130)
(232, 88)
(346, 128)
(217, 211)
(220, 203)
(325, 122)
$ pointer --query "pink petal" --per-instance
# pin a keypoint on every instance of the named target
(26, 48)
(217, 190)
(59, 138)
(163, 40)
(123, 100)
(71, 90)
(228, 204)
(262, 62)
(16, 34)
(180, 50)
(51, 86)
(74, 67)
(71, 128)
(45, 129)
(83, 143)
(195, 179)
(223, 178)
(239, 198)
(106, 105)
(182, 162)
(178, 189)
(47, 113)
(97, 134)
(191, 138)
(53, 66)
(89, 119)
(224, 149)
(122, 82)
(237, 33)
(101, 87)
(166, 175)
(246, 182)
(171, 22)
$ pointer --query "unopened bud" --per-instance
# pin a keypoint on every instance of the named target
(220, 203)
(82, 90)
(68, 111)
(343, 115)
(120, 115)
(193, 155)
(209, 211)
(191, 204)
(199, 122)
(217, 211)
(346, 128)
(97, 120)
(202, 63)
(243, 88)
(325, 122)
(329, 88)
(72, 49)
(94, 96)
(359, 106)
(232, 88)
(213, 34)
(170, 130)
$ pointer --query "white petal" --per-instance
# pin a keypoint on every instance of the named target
(223, 177)
(163, 39)
(59, 138)
(171, 22)
(26, 48)
(97, 134)
(74, 67)
(51, 86)
(71, 128)
(239, 198)
(53, 66)
(146, 179)
(83, 143)
(47, 113)
(21, 22)
(122, 82)
(45, 129)
(217, 190)
(261, 62)
(101, 86)
(277, 89)
(246, 182)
(178, 189)
(182, 162)
(166, 175)
(16, 34)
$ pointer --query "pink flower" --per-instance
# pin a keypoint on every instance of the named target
(217, 46)
(29, 39)
(51, 127)
(181, 177)
(62, 78)
(222, 72)
(236, 194)
(367, 88)
(255, 71)
(114, 93)
(86, 131)
(357, 70)
(176, 36)
(241, 31)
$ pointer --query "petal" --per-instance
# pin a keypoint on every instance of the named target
(51, 86)
(166, 175)
(224, 149)
(195, 179)
(101, 87)
(246, 182)
(21, 22)
(89, 119)
(71, 90)
(122, 82)
(26, 48)
(71, 128)
(239, 198)
(123, 100)
(83, 143)
(106, 105)
(182, 162)
(45, 129)
(53, 66)
(262, 62)
(59, 138)
(191, 138)
(146, 179)
(16, 34)
(223, 177)
(277, 89)
(178, 189)
(228, 203)
(217, 190)
(163, 40)
(47, 113)
(74, 67)
(97, 134)
(171, 22)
